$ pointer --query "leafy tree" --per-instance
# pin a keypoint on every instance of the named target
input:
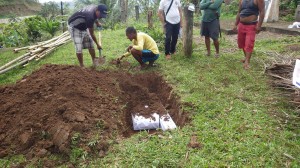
(33, 27)
(49, 25)
(50, 9)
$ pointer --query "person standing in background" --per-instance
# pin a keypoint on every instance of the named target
(170, 15)
(248, 23)
(210, 25)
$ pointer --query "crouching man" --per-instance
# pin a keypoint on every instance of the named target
(144, 48)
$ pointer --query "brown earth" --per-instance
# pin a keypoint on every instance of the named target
(44, 113)
(21, 9)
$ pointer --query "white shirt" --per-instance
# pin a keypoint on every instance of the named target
(173, 15)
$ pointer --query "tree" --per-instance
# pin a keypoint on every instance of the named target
(50, 9)
(124, 10)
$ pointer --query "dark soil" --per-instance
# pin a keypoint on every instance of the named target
(41, 113)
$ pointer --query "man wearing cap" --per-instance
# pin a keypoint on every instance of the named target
(81, 25)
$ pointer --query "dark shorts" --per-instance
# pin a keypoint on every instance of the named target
(148, 55)
(210, 29)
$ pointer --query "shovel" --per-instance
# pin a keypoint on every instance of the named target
(101, 58)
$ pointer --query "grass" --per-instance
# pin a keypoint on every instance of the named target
(233, 115)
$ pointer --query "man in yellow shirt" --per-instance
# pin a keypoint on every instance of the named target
(144, 48)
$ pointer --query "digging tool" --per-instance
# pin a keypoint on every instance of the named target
(101, 58)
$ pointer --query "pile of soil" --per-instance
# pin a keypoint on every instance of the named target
(42, 113)
(20, 8)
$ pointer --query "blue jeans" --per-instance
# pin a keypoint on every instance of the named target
(172, 31)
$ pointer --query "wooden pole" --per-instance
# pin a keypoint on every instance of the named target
(13, 61)
(188, 32)
(150, 19)
(62, 13)
(137, 13)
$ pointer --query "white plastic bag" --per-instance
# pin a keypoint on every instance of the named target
(141, 123)
(166, 122)
(296, 74)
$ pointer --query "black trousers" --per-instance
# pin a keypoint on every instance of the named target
(172, 31)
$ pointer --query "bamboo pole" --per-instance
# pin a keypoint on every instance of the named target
(36, 52)
(19, 49)
(13, 66)
(13, 61)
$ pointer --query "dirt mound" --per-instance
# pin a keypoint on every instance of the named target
(47, 111)
(20, 9)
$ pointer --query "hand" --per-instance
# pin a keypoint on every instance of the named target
(258, 29)
(129, 48)
(99, 27)
(234, 29)
(212, 1)
(99, 47)
(119, 59)
(164, 28)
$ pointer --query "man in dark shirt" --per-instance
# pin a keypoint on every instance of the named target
(248, 23)
(79, 23)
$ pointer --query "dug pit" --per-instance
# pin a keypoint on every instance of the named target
(46, 112)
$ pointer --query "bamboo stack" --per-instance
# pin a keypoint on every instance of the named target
(36, 52)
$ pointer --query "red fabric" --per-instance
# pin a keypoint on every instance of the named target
(246, 37)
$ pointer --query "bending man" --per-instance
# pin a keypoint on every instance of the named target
(81, 25)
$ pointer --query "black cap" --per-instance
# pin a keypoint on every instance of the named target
(103, 10)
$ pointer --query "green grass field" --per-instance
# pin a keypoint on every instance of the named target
(234, 111)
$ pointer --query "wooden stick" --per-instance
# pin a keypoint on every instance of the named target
(13, 66)
(13, 61)
(19, 49)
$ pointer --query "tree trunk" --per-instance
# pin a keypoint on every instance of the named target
(137, 13)
(124, 10)
(187, 32)
(150, 19)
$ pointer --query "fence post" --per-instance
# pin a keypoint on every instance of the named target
(188, 31)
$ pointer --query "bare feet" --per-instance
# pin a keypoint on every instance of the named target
(208, 54)
(95, 62)
(101, 60)
(217, 55)
(168, 57)
(246, 66)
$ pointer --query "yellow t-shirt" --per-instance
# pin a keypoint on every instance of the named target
(144, 42)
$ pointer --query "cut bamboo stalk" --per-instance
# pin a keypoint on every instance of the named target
(58, 42)
(19, 49)
(38, 50)
(13, 66)
(13, 61)
(46, 53)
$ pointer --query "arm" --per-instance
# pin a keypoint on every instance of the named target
(261, 7)
(237, 18)
(140, 44)
(161, 17)
(204, 4)
(215, 5)
(98, 23)
(91, 30)
(123, 56)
